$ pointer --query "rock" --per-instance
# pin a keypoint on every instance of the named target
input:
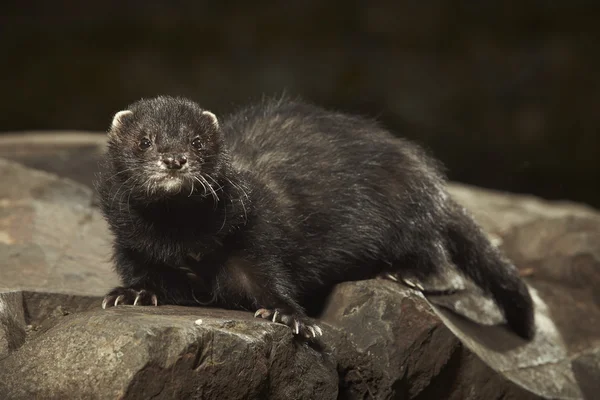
(382, 340)
(500, 212)
(12, 322)
(556, 246)
(72, 154)
(586, 368)
(405, 350)
(562, 256)
(165, 353)
(51, 238)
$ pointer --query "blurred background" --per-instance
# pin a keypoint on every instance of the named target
(505, 93)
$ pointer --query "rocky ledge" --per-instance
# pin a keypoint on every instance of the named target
(381, 340)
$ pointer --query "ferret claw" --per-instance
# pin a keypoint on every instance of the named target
(106, 300)
(118, 299)
(126, 296)
(413, 284)
(409, 283)
(315, 330)
(299, 326)
(263, 313)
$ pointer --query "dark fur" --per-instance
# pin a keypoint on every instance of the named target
(307, 198)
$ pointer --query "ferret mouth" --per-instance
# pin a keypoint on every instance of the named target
(169, 176)
(170, 182)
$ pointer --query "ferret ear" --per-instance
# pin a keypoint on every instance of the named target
(118, 120)
(213, 118)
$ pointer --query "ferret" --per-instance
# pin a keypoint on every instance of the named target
(281, 200)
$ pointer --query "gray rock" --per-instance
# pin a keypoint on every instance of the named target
(556, 245)
(165, 353)
(405, 350)
(12, 322)
(51, 238)
(381, 340)
(73, 154)
(586, 367)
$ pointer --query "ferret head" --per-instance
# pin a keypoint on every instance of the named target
(166, 146)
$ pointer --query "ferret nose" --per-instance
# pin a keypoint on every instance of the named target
(174, 162)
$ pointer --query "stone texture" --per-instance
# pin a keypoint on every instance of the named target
(557, 248)
(166, 353)
(51, 238)
(12, 322)
(381, 340)
(68, 154)
(403, 350)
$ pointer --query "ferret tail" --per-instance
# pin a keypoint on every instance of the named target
(474, 255)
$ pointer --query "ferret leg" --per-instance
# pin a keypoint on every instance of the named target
(145, 283)
(272, 292)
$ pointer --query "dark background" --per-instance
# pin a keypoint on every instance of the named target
(506, 94)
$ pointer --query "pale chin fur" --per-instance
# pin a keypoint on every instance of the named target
(162, 183)
(171, 185)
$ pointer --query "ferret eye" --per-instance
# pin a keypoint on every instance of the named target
(197, 144)
(145, 143)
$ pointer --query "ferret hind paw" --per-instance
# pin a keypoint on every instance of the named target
(128, 296)
(396, 278)
(300, 326)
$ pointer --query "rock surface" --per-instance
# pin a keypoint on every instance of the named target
(556, 245)
(51, 237)
(166, 352)
(73, 154)
(401, 349)
(12, 322)
(381, 340)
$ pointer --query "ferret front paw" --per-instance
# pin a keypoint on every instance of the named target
(127, 296)
(300, 326)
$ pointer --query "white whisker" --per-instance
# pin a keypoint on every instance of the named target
(213, 179)
(212, 191)
(191, 191)
(202, 183)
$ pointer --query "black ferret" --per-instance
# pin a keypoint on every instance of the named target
(278, 201)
